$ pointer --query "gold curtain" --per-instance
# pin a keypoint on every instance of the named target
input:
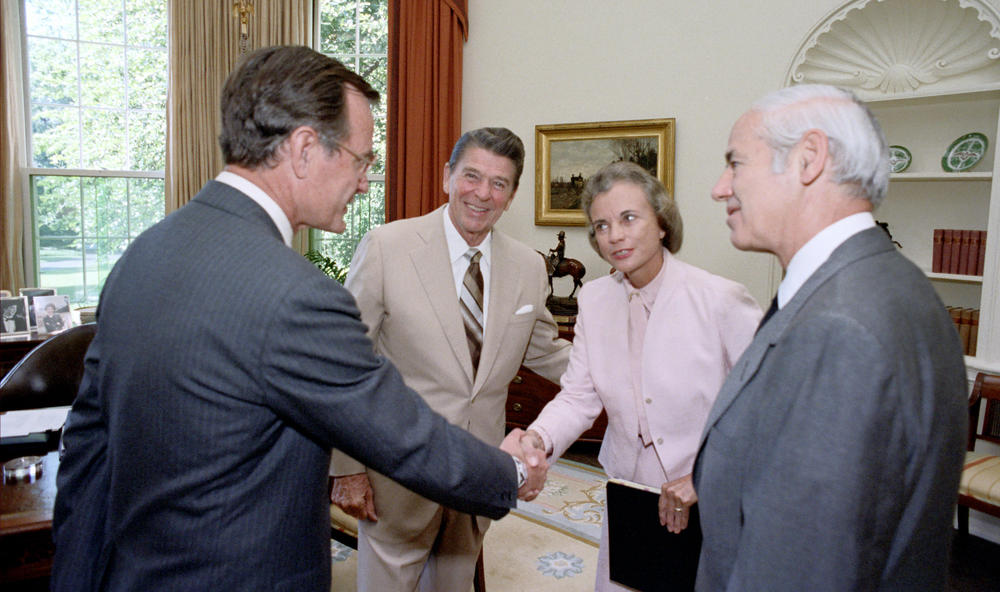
(425, 69)
(204, 47)
(12, 151)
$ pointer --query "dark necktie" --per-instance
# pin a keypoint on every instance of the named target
(770, 312)
(472, 306)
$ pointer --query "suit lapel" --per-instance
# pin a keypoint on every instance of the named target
(432, 264)
(505, 286)
(863, 244)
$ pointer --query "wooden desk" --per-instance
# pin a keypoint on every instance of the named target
(12, 349)
(26, 548)
(27, 507)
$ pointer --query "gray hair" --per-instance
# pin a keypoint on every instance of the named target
(858, 150)
(667, 214)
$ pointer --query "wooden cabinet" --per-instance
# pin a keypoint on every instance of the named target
(529, 392)
(925, 197)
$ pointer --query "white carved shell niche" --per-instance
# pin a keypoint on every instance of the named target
(894, 48)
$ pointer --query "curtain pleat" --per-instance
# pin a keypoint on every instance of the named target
(13, 157)
(205, 45)
(425, 101)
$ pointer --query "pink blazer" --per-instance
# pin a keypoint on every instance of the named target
(699, 326)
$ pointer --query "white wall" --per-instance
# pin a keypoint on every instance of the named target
(531, 62)
(567, 61)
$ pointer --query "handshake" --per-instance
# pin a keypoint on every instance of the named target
(354, 495)
(529, 448)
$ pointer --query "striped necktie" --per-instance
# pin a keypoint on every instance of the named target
(472, 306)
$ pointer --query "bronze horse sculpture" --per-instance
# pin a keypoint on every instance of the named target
(558, 265)
(563, 267)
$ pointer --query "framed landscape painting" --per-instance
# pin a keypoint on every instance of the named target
(567, 154)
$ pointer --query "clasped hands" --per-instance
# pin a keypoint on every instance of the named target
(354, 495)
(528, 447)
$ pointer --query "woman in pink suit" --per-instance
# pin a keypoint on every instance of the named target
(653, 344)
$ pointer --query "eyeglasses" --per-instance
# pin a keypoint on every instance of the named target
(365, 160)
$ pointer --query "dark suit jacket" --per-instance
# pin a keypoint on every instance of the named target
(831, 458)
(224, 368)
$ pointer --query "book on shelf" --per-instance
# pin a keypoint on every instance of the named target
(642, 553)
(972, 259)
(966, 322)
(973, 332)
(981, 261)
(958, 251)
(965, 328)
(947, 241)
(965, 242)
(936, 252)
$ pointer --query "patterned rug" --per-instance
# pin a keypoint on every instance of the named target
(549, 543)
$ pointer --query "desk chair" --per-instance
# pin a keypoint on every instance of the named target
(48, 376)
(344, 529)
(980, 485)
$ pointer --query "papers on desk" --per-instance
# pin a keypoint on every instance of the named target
(20, 423)
(643, 554)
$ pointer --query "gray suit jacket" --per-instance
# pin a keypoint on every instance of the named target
(224, 369)
(831, 458)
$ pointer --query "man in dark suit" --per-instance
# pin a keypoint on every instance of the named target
(831, 458)
(226, 366)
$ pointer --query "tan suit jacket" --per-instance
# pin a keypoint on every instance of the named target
(401, 277)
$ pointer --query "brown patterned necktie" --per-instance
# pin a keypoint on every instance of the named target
(472, 306)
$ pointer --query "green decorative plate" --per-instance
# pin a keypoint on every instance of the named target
(899, 159)
(964, 153)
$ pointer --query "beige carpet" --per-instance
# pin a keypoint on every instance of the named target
(547, 544)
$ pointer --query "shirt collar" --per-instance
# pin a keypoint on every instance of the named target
(262, 199)
(649, 292)
(457, 247)
(814, 253)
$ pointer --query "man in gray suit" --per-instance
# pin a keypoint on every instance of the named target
(831, 458)
(226, 366)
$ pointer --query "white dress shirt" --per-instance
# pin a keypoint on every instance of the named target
(263, 200)
(814, 253)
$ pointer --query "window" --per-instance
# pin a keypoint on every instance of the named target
(356, 32)
(97, 87)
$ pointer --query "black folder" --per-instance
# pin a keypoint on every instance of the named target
(643, 554)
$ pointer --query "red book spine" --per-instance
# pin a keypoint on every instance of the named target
(981, 263)
(936, 258)
(972, 264)
(947, 243)
(965, 241)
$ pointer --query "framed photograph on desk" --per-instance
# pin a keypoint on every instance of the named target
(14, 320)
(30, 294)
(53, 314)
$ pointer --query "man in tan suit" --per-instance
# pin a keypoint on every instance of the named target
(408, 279)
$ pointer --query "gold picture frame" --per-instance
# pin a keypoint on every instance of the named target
(567, 154)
